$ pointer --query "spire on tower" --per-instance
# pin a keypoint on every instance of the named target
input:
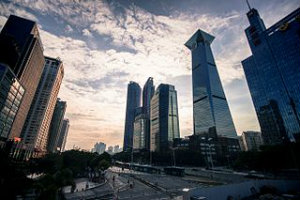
(248, 4)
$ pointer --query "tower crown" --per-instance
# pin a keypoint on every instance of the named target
(199, 36)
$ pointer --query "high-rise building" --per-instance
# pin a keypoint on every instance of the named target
(21, 49)
(61, 144)
(36, 128)
(133, 102)
(99, 148)
(110, 150)
(56, 125)
(141, 126)
(148, 92)
(273, 75)
(210, 108)
(117, 149)
(252, 140)
(241, 142)
(164, 121)
(11, 95)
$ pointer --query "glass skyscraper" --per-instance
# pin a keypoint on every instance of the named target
(63, 135)
(11, 94)
(56, 125)
(139, 133)
(273, 75)
(21, 49)
(210, 108)
(133, 102)
(164, 122)
(148, 92)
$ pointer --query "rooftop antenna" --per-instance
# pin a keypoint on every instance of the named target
(248, 4)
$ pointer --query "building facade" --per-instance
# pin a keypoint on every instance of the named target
(110, 150)
(61, 144)
(273, 75)
(164, 121)
(148, 92)
(11, 95)
(141, 125)
(37, 124)
(117, 149)
(21, 49)
(133, 102)
(252, 140)
(210, 107)
(56, 125)
(217, 150)
(99, 148)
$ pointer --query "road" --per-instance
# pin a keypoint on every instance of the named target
(127, 186)
(152, 186)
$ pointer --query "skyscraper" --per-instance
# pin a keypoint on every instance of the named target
(252, 140)
(37, 124)
(133, 102)
(210, 108)
(56, 125)
(21, 49)
(148, 92)
(273, 75)
(99, 147)
(139, 131)
(164, 122)
(61, 144)
(117, 149)
(11, 95)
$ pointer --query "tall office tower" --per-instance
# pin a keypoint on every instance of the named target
(164, 121)
(139, 131)
(148, 92)
(37, 124)
(273, 75)
(61, 144)
(56, 125)
(21, 49)
(252, 140)
(11, 94)
(210, 108)
(133, 101)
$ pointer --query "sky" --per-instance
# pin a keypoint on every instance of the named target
(106, 44)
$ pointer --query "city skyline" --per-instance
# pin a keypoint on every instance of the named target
(92, 104)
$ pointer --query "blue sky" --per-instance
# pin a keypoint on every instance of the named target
(105, 44)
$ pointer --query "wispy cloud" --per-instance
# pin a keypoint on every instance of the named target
(105, 44)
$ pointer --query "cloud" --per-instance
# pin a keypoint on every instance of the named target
(87, 33)
(69, 29)
(106, 44)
